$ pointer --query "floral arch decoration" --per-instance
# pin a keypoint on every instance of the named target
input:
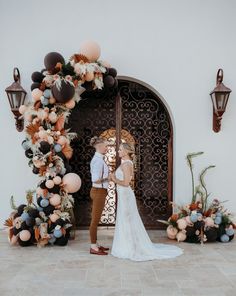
(46, 217)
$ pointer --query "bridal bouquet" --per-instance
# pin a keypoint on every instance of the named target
(201, 220)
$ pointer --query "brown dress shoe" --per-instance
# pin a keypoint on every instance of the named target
(99, 252)
(103, 248)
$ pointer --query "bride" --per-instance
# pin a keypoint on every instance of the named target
(131, 240)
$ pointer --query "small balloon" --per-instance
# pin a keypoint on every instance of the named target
(37, 77)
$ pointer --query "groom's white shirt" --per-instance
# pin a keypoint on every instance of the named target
(99, 170)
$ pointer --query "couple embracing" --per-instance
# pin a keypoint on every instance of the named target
(131, 240)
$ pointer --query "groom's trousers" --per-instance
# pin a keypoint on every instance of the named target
(98, 196)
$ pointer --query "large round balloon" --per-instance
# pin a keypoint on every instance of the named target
(65, 93)
(72, 182)
(108, 81)
(91, 50)
(25, 235)
(51, 59)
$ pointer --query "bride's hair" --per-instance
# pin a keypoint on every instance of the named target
(130, 148)
(96, 140)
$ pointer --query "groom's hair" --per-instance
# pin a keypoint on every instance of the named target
(96, 140)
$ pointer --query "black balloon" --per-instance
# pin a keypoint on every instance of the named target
(51, 59)
(24, 226)
(43, 185)
(34, 213)
(88, 85)
(60, 222)
(15, 230)
(198, 225)
(48, 210)
(35, 170)
(35, 85)
(112, 72)
(39, 200)
(29, 153)
(211, 234)
(20, 209)
(65, 93)
(61, 241)
(231, 237)
(116, 83)
(37, 77)
(23, 243)
(190, 231)
(44, 147)
(55, 189)
(30, 221)
(108, 81)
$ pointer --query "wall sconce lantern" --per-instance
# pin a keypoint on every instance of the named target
(219, 97)
(16, 96)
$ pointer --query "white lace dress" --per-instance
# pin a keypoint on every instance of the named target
(131, 240)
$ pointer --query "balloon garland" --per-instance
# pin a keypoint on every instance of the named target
(55, 92)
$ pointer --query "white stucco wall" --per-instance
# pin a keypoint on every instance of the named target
(175, 46)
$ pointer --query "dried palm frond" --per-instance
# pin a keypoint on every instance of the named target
(42, 242)
(67, 151)
(31, 129)
(10, 233)
(42, 170)
(29, 197)
(79, 57)
(12, 203)
(58, 66)
(60, 123)
(36, 233)
(9, 222)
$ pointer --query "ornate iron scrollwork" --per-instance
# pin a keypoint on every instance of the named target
(145, 119)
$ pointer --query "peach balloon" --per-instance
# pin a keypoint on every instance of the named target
(55, 200)
(182, 224)
(54, 217)
(57, 180)
(72, 182)
(171, 232)
(91, 50)
(62, 140)
(89, 76)
(39, 191)
(209, 222)
(36, 94)
(52, 117)
(42, 134)
(49, 184)
(181, 236)
(28, 117)
(25, 235)
(52, 100)
(70, 104)
(22, 109)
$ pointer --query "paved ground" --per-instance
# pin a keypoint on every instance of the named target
(70, 270)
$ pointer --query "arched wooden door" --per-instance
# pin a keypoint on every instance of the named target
(137, 114)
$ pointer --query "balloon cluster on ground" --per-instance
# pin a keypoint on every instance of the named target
(200, 221)
(55, 92)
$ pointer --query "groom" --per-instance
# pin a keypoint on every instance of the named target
(99, 173)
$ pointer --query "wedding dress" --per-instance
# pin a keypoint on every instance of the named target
(131, 240)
